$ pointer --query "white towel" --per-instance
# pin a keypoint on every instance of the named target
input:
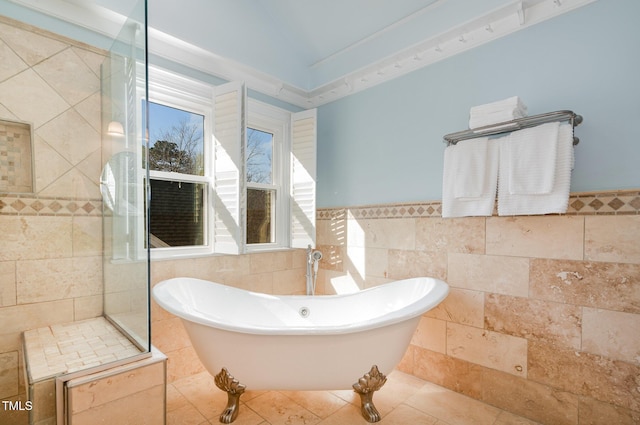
(530, 157)
(470, 178)
(497, 112)
(509, 104)
(524, 191)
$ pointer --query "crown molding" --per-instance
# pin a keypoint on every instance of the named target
(496, 24)
(499, 23)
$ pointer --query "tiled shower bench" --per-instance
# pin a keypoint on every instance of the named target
(87, 372)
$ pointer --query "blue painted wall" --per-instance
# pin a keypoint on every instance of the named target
(385, 144)
(134, 10)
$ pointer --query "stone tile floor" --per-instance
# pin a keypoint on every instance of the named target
(403, 400)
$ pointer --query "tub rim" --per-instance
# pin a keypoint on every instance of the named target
(434, 296)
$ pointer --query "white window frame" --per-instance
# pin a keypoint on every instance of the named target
(176, 91)
(172, 90)
(271, 119)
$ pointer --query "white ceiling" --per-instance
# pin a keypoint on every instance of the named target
(310, 52)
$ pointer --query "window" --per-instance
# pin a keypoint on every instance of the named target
(266, 170)
(180, 165)
(177, 177)
(221, 167)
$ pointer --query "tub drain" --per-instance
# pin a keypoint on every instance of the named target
(304, 312)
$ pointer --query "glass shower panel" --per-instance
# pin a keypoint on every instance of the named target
(123, 181)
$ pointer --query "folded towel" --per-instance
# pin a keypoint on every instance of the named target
(470, 178)
(526, 196)
(478, 121)
(509, 104)
(497, 112)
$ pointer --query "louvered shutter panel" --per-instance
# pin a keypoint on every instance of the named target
(303, 178)
(229, 187)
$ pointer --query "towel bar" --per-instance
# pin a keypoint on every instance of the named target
(513, 125)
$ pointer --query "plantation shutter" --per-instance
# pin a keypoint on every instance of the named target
(229, 182)
(303, 178)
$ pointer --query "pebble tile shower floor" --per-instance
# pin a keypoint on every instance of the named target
(403, 400)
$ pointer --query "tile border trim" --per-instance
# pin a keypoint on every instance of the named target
(34, 205)
(622, 202)
(618, 202)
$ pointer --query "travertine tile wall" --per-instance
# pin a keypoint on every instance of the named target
(543, 314)
(279, 272)
(50, 254)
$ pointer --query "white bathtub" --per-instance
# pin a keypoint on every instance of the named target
(269, 342)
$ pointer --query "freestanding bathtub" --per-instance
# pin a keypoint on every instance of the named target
(299, 342)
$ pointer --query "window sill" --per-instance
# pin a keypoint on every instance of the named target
(185, 254)
(258, 248)
(159, 254)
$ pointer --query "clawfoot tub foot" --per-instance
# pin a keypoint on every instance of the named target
(365, 387)
(226, 382)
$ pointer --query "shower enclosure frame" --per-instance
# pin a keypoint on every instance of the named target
(124, 185)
